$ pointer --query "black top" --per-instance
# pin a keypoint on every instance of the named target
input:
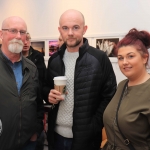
(94, 86)
(37, 58)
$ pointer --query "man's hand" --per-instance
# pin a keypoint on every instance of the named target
(54, 96)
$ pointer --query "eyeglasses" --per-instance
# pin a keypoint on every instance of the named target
(15, 31)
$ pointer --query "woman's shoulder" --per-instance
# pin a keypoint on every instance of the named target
(122, 83)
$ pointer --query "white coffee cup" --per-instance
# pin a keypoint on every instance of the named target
(60, 84)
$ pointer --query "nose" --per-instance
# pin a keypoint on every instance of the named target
(18, 35)
(70, 32)
(125, 61)
(25, 42)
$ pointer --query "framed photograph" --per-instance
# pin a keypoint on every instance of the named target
(53, 47)
(39, 45)
(108, 45)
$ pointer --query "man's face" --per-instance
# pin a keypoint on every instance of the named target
(72, 30)
(12, 40)
(27, 45)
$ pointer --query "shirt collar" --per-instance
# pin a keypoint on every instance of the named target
(20, 59)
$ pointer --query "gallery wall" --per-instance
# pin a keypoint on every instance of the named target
(105, 18)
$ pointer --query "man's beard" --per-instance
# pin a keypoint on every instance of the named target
(73, 45)
(15, 46)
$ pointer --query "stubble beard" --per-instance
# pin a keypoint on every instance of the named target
(77, 42)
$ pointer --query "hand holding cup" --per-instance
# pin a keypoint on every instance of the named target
(59, 92)
(60, 84)
(53, 96)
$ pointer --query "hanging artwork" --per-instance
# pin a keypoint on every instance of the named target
(108, 46)
(53, 47)
(39, 45)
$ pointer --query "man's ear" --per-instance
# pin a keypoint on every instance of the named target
(59, 29)
(84, 29)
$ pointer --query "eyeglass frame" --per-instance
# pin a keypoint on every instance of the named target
(22, 32)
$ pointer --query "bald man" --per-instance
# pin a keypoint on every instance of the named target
(21, 107)
(75, 123)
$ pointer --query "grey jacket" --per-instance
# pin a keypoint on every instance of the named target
(20, 115)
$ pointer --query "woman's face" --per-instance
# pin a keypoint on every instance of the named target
(131, 62)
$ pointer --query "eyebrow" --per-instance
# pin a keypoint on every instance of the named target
(73, 25)
(127, 53)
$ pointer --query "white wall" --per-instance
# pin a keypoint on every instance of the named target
(102, 16)
(105, 18)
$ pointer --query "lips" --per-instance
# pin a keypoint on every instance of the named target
(127, 68)
(71, 39)
(16, 42)
(25, 47)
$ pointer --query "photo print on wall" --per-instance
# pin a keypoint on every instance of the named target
(39, 46)
(108, 46)
(53, 47)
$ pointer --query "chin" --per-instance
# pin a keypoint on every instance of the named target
(127, 75)
(25, 49)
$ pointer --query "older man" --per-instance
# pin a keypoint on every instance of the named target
(76, 122)
(21, 107)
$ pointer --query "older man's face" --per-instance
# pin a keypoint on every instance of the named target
(13, 34)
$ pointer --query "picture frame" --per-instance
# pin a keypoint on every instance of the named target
(108, 45)
(53, 46)
(39, 46)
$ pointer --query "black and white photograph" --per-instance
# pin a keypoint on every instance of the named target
(108, 46)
